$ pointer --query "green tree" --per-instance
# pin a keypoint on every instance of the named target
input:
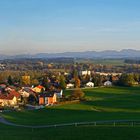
(10, 80)
(97, 80)
(62, 82)
(136, 77)
(126, 80)
(75, 73)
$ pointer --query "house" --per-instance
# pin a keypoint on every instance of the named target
(28, 95)
(38, 89)
(86, 72)
(15, 93)
(8, 100)
(59, 93)
(24, 93)
(90, 84)
(70, 85)
(47, 98)
(10, 88)
(107, 83)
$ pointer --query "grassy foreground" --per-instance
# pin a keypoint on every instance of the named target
(70, 133)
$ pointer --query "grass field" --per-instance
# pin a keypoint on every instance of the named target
(114, 103)
(70, 133)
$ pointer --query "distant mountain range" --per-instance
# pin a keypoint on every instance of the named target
(126, 53)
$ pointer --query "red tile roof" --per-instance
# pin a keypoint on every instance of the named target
(6, 97)
(14, 93)
(39, 86)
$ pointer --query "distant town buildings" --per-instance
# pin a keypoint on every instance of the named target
(86, 72)
(90, 84)
(107, 83)
(107, 73)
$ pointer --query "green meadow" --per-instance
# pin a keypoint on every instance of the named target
(70, 133)
(115, 103)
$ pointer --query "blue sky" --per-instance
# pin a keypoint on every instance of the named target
(34, 26)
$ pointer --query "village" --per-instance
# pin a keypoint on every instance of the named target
(50, 90)
(36, 83)
(27, 96)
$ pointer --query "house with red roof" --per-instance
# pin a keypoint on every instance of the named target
(11, 98)
(8, 100)
(15, 93)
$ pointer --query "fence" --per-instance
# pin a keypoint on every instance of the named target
(113, 123)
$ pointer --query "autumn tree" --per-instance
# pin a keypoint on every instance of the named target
(77, 94)
(77, 82)
(26, 80)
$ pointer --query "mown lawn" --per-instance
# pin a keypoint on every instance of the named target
(114, 103)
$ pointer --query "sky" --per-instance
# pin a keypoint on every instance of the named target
(50, 26)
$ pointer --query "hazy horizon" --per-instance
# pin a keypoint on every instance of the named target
(51, 26)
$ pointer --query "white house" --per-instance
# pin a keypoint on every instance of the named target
(70, 85)
(107, 83)
(90, 84)
(86, 72)
(59, 94)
